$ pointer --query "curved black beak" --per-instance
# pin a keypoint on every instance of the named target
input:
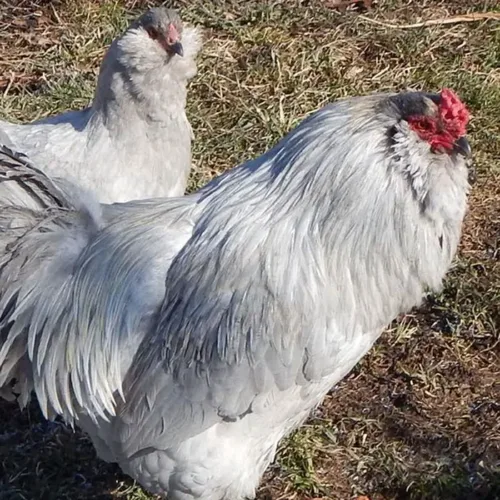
(176, 48)
(462, 147)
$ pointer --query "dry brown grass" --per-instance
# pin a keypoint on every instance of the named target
(419, 417)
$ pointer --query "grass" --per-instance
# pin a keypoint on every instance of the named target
(418, 418)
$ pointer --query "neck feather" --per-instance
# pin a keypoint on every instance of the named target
(326, 212)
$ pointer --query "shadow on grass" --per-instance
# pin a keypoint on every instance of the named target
(451, 468)
(41, 460)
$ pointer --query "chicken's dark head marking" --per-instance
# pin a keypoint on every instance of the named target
(164, 26)
(444, 125)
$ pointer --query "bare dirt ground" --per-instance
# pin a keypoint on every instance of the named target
(419, 417)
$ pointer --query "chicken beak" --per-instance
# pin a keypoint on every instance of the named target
(463, 148)
(176, 48)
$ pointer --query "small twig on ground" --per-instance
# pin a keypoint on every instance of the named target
(465, 18)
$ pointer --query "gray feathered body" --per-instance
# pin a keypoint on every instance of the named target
(188, 336)
(134, 141)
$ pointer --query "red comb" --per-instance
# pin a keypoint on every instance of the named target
(451, 124)
(453, 112)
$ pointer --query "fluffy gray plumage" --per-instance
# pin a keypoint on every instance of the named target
(134, 141)
(188, 336)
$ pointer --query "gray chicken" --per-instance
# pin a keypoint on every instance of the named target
(189, 335)
(134, 141)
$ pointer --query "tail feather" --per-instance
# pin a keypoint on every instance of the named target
(71, 311)
(43, 229)
(38, 190)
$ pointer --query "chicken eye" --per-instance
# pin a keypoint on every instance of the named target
(153, 33)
